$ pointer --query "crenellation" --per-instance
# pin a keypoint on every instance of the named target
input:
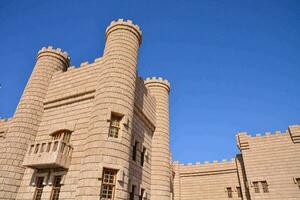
(78, 123)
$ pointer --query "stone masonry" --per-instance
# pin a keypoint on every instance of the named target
(99, 131)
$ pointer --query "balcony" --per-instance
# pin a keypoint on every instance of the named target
(45, 155)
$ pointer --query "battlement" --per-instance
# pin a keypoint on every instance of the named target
(205, 163)
(206, 168)
(158, 82)
(124, 23)
(56, 52)
(243, 138)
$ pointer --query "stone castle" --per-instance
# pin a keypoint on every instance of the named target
(100, 131)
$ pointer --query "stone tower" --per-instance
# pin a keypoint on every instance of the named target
(26, 120)
(160, 165)
(114, 95)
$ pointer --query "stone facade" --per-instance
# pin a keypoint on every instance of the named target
(99, 131)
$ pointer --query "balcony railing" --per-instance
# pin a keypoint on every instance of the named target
(52, 154)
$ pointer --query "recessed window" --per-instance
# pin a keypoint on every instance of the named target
(64, 135)
(114, 126)
(239, 191)
(56, 188)
(38, 188)
(142, 194)
(134, 150)
(143, 156)
(37, 148)
(132, 192)
(256, 187)
(265, 187)
(298, 181)
(108, 184)
(229, 192)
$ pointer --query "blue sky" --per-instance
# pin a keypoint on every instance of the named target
(233, 65)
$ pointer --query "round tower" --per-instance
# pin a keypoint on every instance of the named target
(114, 97)
(25, 122)
(160, 159)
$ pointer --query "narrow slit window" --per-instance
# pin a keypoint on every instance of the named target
(132, 192)
(142, 194)
(239, 191)
(134, 150)
(143, 156)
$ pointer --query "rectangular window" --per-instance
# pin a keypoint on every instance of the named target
(256, 187)
(38, 188)
(265, 186)
(298, 182)
(134, 150)
(56, 188)
(108, 184)
(143, 156)
(229, 192)
(43, 147)
(37, 148)
(132, 192)
(114, 126)
(239, 191)
(142, 194)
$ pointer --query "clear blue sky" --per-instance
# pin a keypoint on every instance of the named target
(233, 65)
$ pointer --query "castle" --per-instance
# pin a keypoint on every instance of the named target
(99, 131)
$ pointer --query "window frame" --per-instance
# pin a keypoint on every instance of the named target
(115, 126)
(265, 186)
(56, 188)
(256, 187)
(229, 192)
(108, 183)
(39, 187)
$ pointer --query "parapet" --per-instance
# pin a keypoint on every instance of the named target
(125, 24)
(157, 82)
(243, 138)
(57, 53)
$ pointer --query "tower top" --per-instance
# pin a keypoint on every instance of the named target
(55, 52)
(124, 24)
(154, 81)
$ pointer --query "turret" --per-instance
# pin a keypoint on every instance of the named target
(160, 159)
(25, 122)
(112, 116)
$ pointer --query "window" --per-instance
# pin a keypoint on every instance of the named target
(43, 147)
(132, 192)
(256, 187)
(64, 135)
(114, 126)
(265, 186)
(38, 188)
(229, 192)
(37, 148)
(142, 194)
(108, 184)
(298, 182)
(134, 151)
(143, 156)
(56, 188)
(239, 191)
